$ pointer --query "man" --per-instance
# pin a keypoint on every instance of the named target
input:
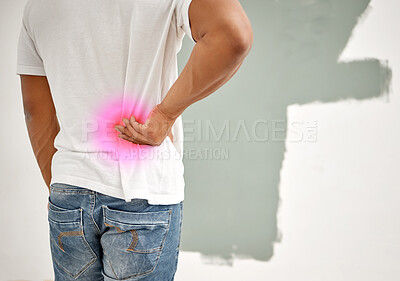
(103, 103)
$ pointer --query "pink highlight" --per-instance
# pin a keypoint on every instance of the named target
(104, 137)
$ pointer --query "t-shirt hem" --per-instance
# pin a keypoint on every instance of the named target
(157, 199)
(30, 70)
(153, 199)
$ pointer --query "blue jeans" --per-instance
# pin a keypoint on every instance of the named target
(96, 237)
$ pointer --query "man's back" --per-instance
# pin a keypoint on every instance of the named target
(106, 60)
(103, 62)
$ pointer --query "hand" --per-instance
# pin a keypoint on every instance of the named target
(153, 132)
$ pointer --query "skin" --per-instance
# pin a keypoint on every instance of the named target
(223, 36)
(41, 121)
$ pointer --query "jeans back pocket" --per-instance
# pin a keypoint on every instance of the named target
(133, 241)
(69, 248)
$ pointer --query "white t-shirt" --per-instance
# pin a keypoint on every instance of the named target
(106, 60)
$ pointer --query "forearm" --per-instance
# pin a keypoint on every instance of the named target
(42, 130)
(213, 61)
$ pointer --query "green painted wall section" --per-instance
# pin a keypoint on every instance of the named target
(231, 204)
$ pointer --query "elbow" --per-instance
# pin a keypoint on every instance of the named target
(233, 37)
(241, 40)
(242, 45)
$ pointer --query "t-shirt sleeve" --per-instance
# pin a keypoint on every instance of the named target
(182, 18)
(29, 61)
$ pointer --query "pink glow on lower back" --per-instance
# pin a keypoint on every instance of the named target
(104, 137)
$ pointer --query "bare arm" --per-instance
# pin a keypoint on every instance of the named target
(41, 121)
(224, 38)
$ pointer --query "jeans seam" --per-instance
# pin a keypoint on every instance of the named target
(180, 224)
(92, 205)
(112, 268)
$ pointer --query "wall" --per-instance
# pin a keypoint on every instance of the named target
(309, 188)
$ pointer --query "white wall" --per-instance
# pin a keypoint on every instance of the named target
(24, 246)
(340, 195)
(339, 216)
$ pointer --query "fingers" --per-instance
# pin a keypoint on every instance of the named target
(132, 127)
(133, 140)
(128, 133)
(125, 137)
(136, 125)
(152, 132)
(134, 134)
(129, 126)
(123, 130)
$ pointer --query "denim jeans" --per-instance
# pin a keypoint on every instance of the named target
(96, 237)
